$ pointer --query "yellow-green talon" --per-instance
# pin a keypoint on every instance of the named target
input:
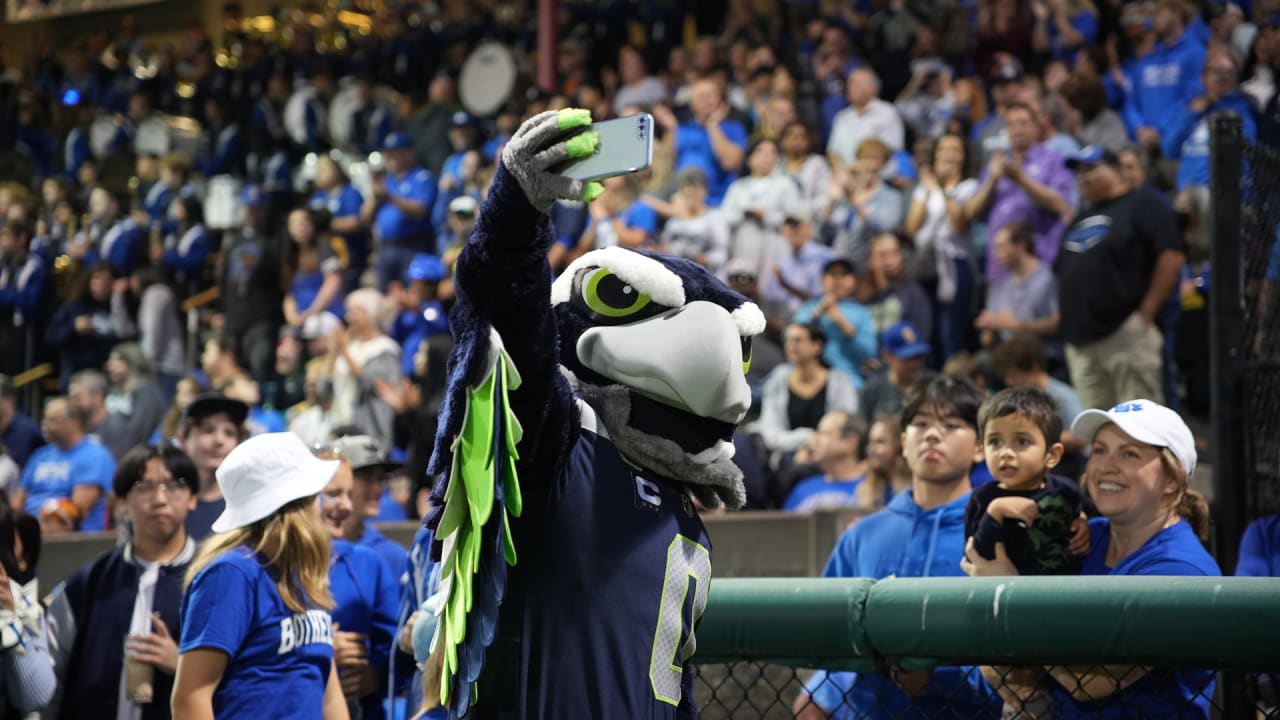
(580, 146)
(569, 118)
(592, 191)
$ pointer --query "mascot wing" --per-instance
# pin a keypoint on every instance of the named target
(482, 495)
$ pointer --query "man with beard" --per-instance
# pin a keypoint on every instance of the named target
(125, 603)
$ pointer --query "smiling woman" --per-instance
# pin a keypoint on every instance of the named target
(1152, 524)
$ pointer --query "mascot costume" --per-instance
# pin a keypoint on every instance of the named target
(585, 421)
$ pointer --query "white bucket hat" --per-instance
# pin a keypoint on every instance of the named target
(1147, 422)
(265, 473)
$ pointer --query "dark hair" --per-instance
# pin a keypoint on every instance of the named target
(816, 333)
(956, 397)
(10, 525)
(7, 390)
(134, 465)
(1020, 234)
(1031, 403)
(193, 209)
(1087, 95)
(1023, 351)
(82, 294)
(855, 425)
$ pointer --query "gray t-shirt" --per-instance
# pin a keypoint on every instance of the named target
(1032, 299)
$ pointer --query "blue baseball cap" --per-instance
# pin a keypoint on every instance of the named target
(1092, 155)
(397, 141)
(903, 341)
(251, 195)
(425, 266)
(461, 119)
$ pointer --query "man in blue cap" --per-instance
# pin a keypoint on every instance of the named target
(399, 210)
(421, 313)
(904, 352)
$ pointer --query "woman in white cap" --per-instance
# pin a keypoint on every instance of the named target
(257, 639)
(1152, 523)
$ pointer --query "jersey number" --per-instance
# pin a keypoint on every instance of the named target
(688, 565)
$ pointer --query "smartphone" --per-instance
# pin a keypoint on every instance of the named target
(626, 146)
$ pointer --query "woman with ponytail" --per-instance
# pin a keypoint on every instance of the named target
(1152, 523)
(257, 638)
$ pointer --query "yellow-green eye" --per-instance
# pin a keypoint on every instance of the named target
(746, 355)
(609, 296)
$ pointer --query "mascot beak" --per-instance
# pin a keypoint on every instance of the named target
(689, 358)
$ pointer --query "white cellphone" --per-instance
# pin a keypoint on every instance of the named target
(626, 146)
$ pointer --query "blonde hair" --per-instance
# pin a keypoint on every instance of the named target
(1190, 505)
(294, 546)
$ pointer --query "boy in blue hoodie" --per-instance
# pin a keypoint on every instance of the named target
(920, 534)
(1167, 78)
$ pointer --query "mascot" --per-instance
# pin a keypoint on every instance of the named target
(585, 421)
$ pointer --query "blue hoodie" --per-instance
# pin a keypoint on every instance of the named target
(1187, 137)
(903, 540)
(1167, 78)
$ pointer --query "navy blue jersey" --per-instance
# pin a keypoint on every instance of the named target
(603, 552)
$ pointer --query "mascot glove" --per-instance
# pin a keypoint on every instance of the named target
(543, 143)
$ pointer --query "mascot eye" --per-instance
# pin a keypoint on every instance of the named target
(746, 355)
(608, 296)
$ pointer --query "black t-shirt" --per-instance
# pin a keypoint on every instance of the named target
(1043, 548)
(805, 412)
(1106, 261)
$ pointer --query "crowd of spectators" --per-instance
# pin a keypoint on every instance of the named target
(1012, 193)
(903, 190)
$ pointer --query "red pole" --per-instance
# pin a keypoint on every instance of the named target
(547, 45)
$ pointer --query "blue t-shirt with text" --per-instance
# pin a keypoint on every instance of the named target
(53, 473)
(278, 660)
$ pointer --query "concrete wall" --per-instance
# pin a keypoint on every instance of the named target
(747, 544)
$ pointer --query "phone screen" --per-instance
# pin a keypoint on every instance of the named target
(626, 146)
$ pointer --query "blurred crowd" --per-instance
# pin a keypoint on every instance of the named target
(903, 188)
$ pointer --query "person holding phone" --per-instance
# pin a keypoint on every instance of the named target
(399, 210)
(257, 599)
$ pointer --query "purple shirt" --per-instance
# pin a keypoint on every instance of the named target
(1012, 204)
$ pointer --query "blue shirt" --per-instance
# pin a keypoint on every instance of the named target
(1167, 78)
(278, 660)
(840, 351)
(1260, 548)
(903, 540)
(1174, 550)
(817, 493)
(1084, 22)
(392, 553)
(391, 224)
(1188, 136)
(53, 473)
(421, 581)
(367, 598)
(345, 202)
(693, 149)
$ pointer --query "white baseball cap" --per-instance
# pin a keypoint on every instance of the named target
(1145, 421)
(265, 473)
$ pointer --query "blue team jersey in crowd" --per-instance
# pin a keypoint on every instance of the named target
(1260, 548)
(54, 473)
(366, 596)
(279, 660)
(573, 627)
(1160, 693)
(693, 148)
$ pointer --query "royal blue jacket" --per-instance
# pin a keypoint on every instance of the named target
(1167, 78)
(367, 597)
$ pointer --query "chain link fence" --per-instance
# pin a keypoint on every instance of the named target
(748, 690)
(1260, 379)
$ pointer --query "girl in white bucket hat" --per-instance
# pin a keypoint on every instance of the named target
(257, 599)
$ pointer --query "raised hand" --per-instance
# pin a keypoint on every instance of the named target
(545, 141)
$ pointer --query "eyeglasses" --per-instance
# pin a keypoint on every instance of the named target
(147, 490)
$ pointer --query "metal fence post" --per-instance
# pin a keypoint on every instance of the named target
(1226, 345)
